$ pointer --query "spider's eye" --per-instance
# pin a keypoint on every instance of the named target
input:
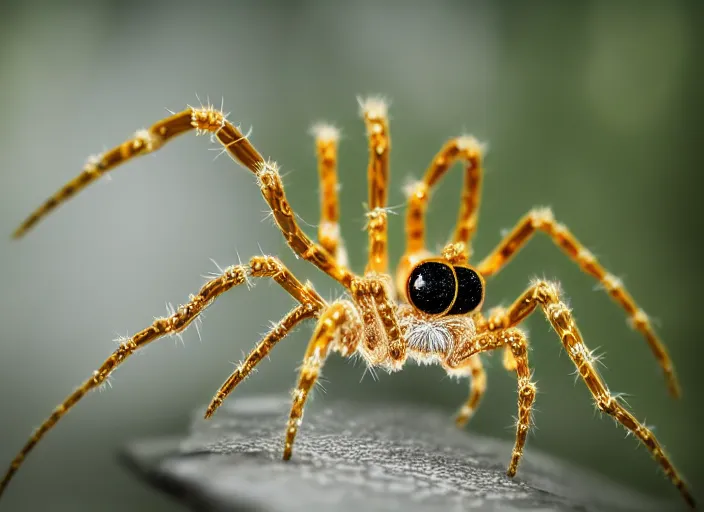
(432, 287)
(470, 291)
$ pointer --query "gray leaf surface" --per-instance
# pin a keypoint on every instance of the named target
(353, 456)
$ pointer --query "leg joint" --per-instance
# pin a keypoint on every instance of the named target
(516, 341)
(606, 403)
(261, 266)
(541, 218)
(207, 119)
(528, 392)
(546, 292)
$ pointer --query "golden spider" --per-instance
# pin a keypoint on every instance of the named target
(432, 313)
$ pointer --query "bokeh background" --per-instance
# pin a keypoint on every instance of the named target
(592, 108)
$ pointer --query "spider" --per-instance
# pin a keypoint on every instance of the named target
(430, 312)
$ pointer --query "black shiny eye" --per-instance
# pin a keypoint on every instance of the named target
(470, 291)
(432, 287)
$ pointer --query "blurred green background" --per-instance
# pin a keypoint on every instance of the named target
(589, 107)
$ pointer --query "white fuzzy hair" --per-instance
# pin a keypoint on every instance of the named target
(436, 335)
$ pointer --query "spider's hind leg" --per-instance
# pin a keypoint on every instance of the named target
(468, 150)
(340, 329)
(375, 114)
(326, 141)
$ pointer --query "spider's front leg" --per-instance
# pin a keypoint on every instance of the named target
(243, 370)
(236, 144)
(515, 341)
(372, 320)
(542, 220)
(260, 266)
(339, 328)
(546, 295)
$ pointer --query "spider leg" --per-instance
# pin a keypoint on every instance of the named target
(203, 120)
(496, 317)
(546, 295)
(375, 113)
(272, 267)
(508, 360)
(542, 220)
(383, 338)
(477, 388)
(517, 345)
(515, 340)
(276, 334)
(468, 150)
(326, 141)
(456, 253)
(260, 266)
(338, 328)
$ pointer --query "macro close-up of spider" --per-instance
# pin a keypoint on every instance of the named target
(429, 309)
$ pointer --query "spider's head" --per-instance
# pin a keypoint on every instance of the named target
(441, 295)
(436, 288)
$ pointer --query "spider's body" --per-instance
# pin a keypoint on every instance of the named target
(430, 311)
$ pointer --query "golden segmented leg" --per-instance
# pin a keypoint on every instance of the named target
(204, 120)
(516, 341)
(542, 220)
(496, 317)
(331, 330)
(260, 266)
(277, 333)
(326, 141)
(456, 253)
(374, 111)
(377, 228)
(272, 267)
(374, 334)
(468, 150)
(477, 388)
(546, 295)
(508, 360)
(380, 320)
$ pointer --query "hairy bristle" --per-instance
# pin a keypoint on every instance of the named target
(469, 142)
(373, 107)
(325, 132)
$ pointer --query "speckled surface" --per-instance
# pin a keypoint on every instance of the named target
(353, 456)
